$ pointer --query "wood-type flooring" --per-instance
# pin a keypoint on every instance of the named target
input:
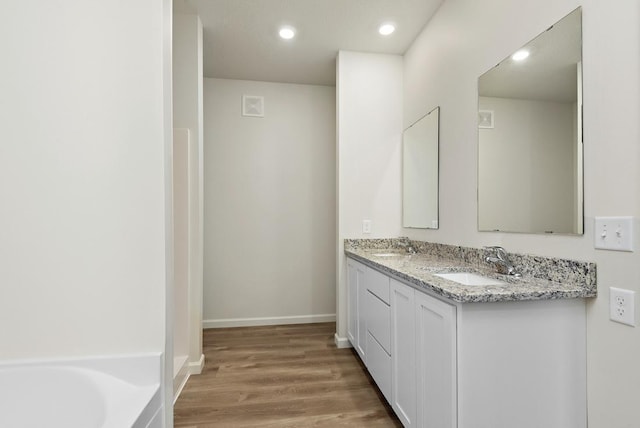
(280, 377)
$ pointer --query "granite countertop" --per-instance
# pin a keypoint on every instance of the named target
(554, 278)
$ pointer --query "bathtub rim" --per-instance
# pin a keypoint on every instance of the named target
(143, 370)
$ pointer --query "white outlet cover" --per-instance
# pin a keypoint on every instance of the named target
(614, 233)
(622, 306)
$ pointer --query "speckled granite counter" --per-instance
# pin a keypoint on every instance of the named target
(542, 278)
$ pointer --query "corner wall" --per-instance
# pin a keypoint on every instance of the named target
(369, 151)
(463, 40)
(188, 114)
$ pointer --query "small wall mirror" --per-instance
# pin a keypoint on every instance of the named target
(530, 136)
(420, 172)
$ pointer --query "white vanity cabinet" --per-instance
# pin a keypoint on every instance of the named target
(443, 364)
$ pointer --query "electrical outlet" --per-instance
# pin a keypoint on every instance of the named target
(366, 226)
(622, 306)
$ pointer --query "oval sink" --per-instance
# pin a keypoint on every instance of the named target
(467, 278)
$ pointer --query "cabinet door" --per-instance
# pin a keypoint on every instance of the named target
(436, 363)
(403, 351)
(352, 302)
(362, 300)
(356, 306)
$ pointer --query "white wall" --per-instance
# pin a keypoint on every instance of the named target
(461, 42)
(269, 226)
(188, 114)
(369, 92)
(528, 166)
(82, 178)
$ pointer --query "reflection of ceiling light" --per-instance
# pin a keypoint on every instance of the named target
(520, 55)
(287, 32)
(386, 29)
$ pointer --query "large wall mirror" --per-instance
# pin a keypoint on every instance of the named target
(530, 136)
(420, 172)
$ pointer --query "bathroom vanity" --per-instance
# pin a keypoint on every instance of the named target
(509, 352)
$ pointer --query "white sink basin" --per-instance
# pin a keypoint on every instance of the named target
(466, 278)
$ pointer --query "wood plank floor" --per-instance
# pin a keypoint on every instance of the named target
(279, 377)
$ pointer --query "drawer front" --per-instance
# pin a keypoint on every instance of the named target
(379, 321)
(379, 365)
(378, 284)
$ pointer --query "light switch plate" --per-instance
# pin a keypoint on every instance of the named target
(622, 306)
(614, 233)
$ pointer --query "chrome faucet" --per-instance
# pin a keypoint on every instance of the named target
(501, 261)
(407, 246)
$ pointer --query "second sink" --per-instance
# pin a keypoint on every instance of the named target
(467, 278)
(388, 254)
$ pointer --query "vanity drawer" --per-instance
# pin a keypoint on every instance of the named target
(378, 284)
(379, 321)
(379, 365)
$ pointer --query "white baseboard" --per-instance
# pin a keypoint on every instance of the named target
(179, 388)
(179, 365)
(342, 342)
(250, 322)
(183, 373)
(195, 368)
(180, 376)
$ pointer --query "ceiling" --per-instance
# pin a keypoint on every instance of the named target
(241, 36)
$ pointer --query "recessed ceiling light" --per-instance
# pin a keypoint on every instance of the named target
(386, 29)
(520, 55)
(287, 33)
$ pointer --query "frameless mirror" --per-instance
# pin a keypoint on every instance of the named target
(420, 172)
(530, 136)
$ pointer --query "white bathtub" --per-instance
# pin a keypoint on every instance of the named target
(109, 392)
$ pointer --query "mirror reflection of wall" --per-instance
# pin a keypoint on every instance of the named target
(420, 173)
(530, 136)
